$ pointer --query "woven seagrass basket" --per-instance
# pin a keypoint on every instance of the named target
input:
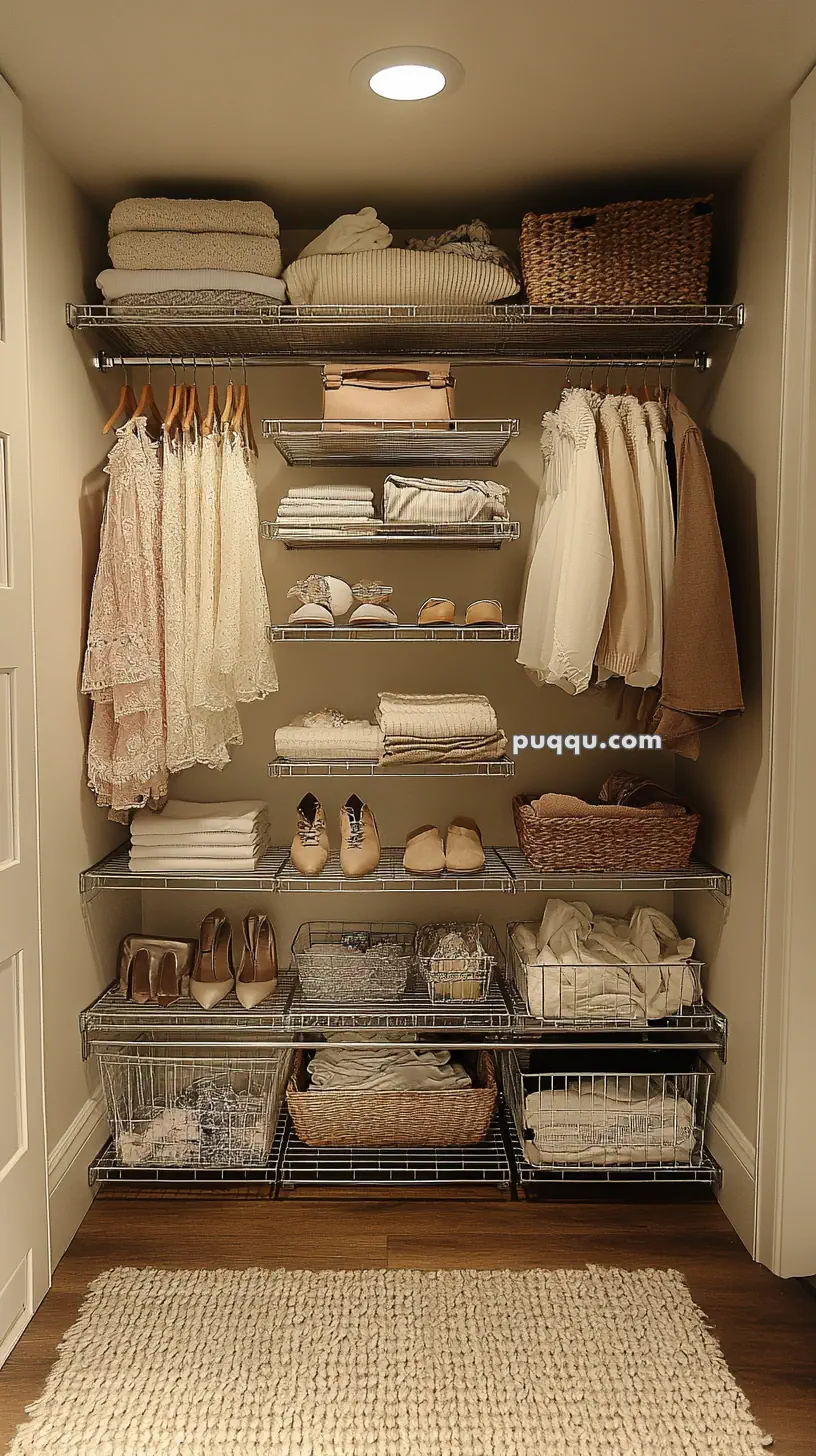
(652, 842)
(625, 253)
(393, 1119)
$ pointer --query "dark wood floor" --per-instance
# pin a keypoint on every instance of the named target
(766, 1326)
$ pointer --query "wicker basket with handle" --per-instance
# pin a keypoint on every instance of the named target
(651, 842)
(434, 1119)
(624, 253)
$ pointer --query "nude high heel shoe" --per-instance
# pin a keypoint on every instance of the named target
(258, 972)
(212, 977)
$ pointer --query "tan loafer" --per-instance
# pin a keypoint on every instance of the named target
(359, 840)
(436, 609)
(424, 851)
(464, 852)
(310, 846)
(487, 612)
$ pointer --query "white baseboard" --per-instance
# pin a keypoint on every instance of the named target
(69, 1194)
(737, 1156)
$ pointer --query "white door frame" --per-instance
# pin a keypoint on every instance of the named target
(24, 1237)
(786, 1181)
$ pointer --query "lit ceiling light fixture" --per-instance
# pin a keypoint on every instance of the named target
(408, 73)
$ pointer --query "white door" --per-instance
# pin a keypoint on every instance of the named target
(24, 1264)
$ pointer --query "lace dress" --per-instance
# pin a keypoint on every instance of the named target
(123, 671)
(242, 650)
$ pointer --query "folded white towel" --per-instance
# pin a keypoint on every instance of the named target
(192, 215)
(354, 232)
(330, 493)
(240, 816)
(192, 866)
(146, 854)
(187, 843)
(115, 283)
(317, 507)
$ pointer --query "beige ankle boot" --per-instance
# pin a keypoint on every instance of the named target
(359, 840)
(310, 846)
(464, 854)
(424, 851)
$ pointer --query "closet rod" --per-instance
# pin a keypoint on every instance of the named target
(104, 362)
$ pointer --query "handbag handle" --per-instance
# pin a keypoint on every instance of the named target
(386, 377)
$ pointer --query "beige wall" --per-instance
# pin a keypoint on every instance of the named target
(68, 406)
(730, 783)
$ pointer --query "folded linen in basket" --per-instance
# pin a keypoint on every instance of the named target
(310, 739)
(353, 232)
(609, 1121)
(237, 252)
(330, 493)
(192, 215)
(436, 716)
(395, 1068)
(297, 509)
(423, 500)
(237, 816)
(116, 283)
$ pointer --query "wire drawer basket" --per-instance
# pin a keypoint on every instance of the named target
(353, 961)
(460, 968)
(585, 996)
(609, 1120)
(180, 1111)
(645, 843)
(435, 1119)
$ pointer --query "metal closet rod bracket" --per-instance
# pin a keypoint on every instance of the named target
(105, 362)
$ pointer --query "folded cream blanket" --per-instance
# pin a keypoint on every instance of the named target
(396, 1068)
(182, 817)
(396, 275)
(236, 252)
(436, 716)
(446, 750)
(116, 283)
(192, 215)
(310, 739)
(325, 508)
(354, 232)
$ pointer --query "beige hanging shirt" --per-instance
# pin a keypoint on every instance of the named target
(623, 638)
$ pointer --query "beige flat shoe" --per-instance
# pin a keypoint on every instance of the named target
(486, 612)
(436, 609)
(371, 614)
(257, 975)
(212, 977)
(312, 614)
(310, 846)
(424, 851)
(359, 840)
(464, 852)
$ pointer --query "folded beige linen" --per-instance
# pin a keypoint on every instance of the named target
(119, 283)
(568, 806)
(192, 215)
(237, 252)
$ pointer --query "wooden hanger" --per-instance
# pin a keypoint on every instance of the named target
(146, 404)
(126, 404)
(175, 407)
(192, 410)
(210, 421)
(229, 404)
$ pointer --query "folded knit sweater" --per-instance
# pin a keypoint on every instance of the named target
(192, 215)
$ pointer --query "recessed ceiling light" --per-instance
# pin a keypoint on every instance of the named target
(408, 73)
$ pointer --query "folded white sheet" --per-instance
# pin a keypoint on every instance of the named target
(173, 866)
(330, 508)
(114, 283)
(240, 853)
(396, 1068)
(239, 816)
(185, 843)
(330, 493)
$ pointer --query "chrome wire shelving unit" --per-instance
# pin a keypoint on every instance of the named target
(113, 873)
(487, 1162)
(487, 535)
(113, 1017)
(494, 333)
(398, 632)
(477, 443)
(390, 876)
(287, 768)
(697, 876)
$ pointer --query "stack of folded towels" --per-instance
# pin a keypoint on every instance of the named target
(438, 728)
(327, 734)
(167, 250)
(330, 507)
(199, 838)
(393, 1068)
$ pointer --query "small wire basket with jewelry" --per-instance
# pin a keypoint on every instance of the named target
(341, 961)
(457, 961)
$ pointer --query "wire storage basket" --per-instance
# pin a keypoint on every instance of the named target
(614, 995)
(437, 1119)
(647, 842)
(192, 1111)
(353, 961)
(606, 1119)
(457, 961)
(624, 253)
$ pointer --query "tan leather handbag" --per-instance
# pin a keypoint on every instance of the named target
(353, 394)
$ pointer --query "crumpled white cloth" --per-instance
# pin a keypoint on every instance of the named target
(609, 1121)
(353, 232)
(582, 966)
(396, 1068)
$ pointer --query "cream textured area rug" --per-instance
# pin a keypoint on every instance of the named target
(595, 1362)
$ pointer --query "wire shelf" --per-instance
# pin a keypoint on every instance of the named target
(459, 442)
(489, 535)
(311, 334)
(112, 873)
(413, 1011)
(284, 768)
(485, 1162)
(390, 876)
(697, 876)
(400, 632)
(113, 1015)
(106, 1169)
